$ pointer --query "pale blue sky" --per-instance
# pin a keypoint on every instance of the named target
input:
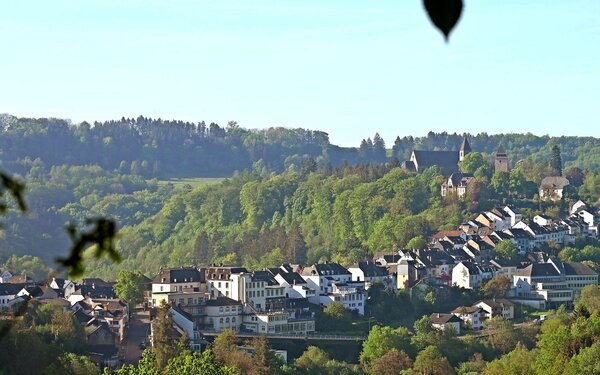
(349, 68)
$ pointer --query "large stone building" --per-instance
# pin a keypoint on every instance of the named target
(446, 160)
(501, 160)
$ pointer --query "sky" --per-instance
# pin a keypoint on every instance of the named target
(349, 68)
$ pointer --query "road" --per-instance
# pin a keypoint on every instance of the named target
(139, 329)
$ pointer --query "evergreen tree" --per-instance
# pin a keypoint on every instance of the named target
(379, 153)
(556, 161)
(164, 344)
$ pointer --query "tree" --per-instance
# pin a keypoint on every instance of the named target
(506, 249)
(337, 311)
(497, 287)
(472, 162)
(416, 243)
(391, 363)
(590, 298)
(556, 161)
(575, 176)
(28, 265)
(500, 334)
(379, 153)
(383, 339)
(501, 183)
(164, 343)
(430, 361)
(264, 361)
(189, 363)
(130, 286)
(476, 365)
(518, 361)
(478, 194)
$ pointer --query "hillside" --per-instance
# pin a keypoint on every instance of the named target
(300, 198)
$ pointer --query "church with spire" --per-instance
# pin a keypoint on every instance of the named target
(448, 161)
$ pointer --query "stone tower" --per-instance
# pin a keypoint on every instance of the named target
(465, 148)
(501, 161)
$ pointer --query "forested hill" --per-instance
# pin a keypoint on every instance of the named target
(159, 148)
(296, 196)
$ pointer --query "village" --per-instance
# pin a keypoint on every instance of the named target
(206, 300)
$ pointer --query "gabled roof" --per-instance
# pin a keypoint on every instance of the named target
(446, 160)
(222, 301)
(94, 291)
(292, 278)
(370, 269)
(178, 275)
(325, 269)
(466, 310)
(576, 268)
(10, 289)
(19, 279)
(472, 268)
(496, 303)
(264, 276)
(554, 182)
(443, 318)
(538, 270)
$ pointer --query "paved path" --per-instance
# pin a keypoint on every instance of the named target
(139, 329)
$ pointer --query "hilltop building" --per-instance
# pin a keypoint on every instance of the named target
(446, 160)
(501, 160)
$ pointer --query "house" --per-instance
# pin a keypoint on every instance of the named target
(294, 285)
(552, 187)
(5, 274)
(497, 307)
(171, 280)
(447, 161)
(223, 313)
(514, 214)
(588, 215)
(443, 321)
(186, 323)
(469, 275)
(219, 280)
(8, 292)
(506, 267)
(19, 279)
(471, 316)
(409, 272)
(332, 282)
(545, 281)
(370, 273)
(78, 292)
(39, 292)
(456, 184)
(101, 344)
(524, 239)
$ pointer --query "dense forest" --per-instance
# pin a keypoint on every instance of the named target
(291, 195)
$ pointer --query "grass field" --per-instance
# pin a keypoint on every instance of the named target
(195, 181)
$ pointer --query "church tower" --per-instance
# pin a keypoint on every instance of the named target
(465, 148)
(501, 161)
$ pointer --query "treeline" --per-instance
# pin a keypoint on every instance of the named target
(159, 148)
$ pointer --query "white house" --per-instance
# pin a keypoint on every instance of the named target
(497, 307)
(443, 321)
(553, 187)
(469, 275)
(470, 315)
(369, 273)
(8, 292)
(332, 282)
